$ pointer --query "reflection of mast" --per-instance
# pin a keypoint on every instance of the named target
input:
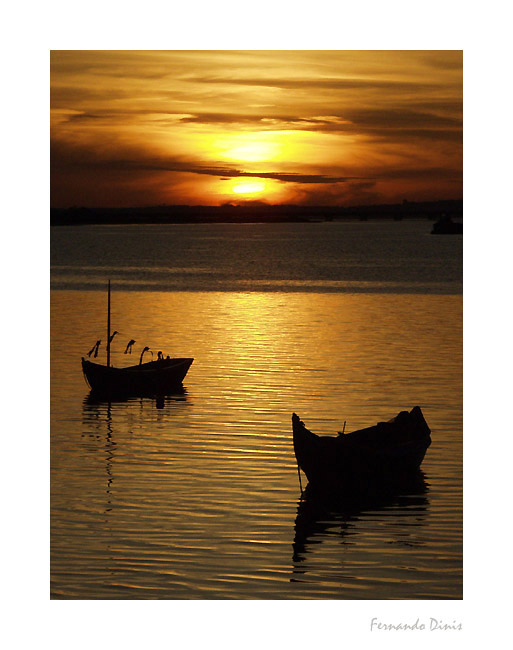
(108, 327)
(98, 419)
(99, 415)
(110, 446)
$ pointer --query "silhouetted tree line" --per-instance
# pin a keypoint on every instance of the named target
(253, 212)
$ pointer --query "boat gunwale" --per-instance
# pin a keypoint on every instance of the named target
(163, 365)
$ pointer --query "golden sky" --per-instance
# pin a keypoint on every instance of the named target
(136, 128)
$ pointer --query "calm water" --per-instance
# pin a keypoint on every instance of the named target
(200, 499)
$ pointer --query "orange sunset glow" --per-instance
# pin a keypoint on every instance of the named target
(136, 128)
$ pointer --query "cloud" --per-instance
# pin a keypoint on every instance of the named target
(442, 59)
(352, 193)
(64, 156)
(334, 83)
(131, 163)
(79, 117)
(224, 118)
(367, 124)
(395, 123)
(424, 173)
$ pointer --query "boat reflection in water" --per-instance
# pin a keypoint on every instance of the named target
(98, 398)
(109, 427)
(365, 484)
(99, 440)
(322, 515)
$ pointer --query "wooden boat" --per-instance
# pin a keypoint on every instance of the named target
(154, 378)
(382, 453)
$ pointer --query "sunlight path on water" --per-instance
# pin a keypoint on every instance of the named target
(200, 499)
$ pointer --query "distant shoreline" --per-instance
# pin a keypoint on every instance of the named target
(259, 213)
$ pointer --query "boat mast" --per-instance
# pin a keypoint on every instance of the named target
(108, 327)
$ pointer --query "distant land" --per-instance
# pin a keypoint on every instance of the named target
(254, 213)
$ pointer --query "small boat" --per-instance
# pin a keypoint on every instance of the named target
(386, 452)
(446, 226)
(154, 378)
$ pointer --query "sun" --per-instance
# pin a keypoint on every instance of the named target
(247, 147)
(252, 151)
(251, 187)
(244, 189)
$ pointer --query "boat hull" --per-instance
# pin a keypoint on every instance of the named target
(387, 452)
(447, 227)
(156, 378)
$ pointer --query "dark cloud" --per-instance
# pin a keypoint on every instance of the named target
(401, 117)
(79, 117)
(123, 116)
(351, 193)
(87, 175)
(442, 59)
(381, 124)
(393, 122)
(335, 83)
(291, 177)
(405, 135)
(226, 118)
(65, 155)
(123, 64)
(423, 173)
(224, 172)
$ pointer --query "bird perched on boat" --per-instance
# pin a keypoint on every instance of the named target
(94, 349)
(128, 349)
(112, 336)
(146, 349)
